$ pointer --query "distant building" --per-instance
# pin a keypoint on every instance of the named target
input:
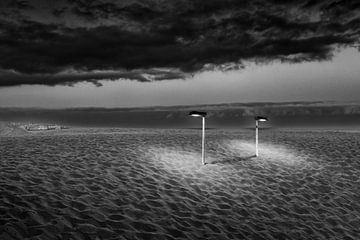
(40, 127)
(53, 127)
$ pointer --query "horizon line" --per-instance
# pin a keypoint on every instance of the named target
(189, 106)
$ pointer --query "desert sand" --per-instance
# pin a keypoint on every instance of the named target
(150, 184)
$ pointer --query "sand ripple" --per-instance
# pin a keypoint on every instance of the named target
(150, 184)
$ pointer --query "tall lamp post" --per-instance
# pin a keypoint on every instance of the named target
(203, 115)
(257, 120)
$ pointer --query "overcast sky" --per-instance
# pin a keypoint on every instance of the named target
(76, 53)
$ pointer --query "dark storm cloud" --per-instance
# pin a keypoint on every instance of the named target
(19, 4)
(69, 78)
(123, 37)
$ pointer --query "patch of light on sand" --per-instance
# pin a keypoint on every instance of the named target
(229, 155)
(267, 152)
(177, 158)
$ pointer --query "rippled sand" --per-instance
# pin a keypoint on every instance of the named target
(150, 184)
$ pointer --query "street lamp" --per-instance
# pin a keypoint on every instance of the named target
(257, 120)
(203, 115)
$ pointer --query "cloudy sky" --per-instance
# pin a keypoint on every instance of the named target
(76, 53)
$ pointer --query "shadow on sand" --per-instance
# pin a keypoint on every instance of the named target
(232, 160)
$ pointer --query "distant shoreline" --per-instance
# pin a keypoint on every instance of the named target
(7, 130)
(217, 106)
(319, 114)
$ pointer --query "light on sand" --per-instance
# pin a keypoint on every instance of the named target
(174, 158)
(277, 154)
(257, 120)
(203, 115)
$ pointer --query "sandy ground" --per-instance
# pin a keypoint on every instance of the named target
(150, 184)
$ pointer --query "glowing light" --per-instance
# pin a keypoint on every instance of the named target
(261, 119)
(197, 114)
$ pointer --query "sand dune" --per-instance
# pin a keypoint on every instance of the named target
(150, 184)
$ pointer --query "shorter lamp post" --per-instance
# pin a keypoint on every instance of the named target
(257, 120)
(203, 115)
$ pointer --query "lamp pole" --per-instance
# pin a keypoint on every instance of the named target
(257, 120)
(203, 141)
(256, 138)
(202, 115)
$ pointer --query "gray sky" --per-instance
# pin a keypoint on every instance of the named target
(119, 53)
(337, 79)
